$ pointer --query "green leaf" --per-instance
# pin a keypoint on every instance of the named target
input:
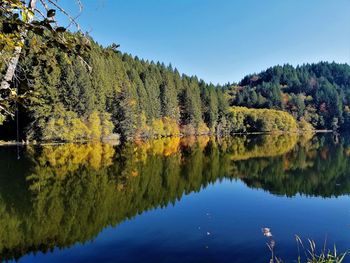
(60, 29)
(27, 15)
(51, 13)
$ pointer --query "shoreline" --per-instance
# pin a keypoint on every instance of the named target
(116, 142)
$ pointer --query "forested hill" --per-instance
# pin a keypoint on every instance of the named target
(104, 91)
(112, 92)
(316, 93)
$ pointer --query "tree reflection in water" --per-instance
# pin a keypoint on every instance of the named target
(57, 196)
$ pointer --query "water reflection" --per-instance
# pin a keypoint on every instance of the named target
(57, 196)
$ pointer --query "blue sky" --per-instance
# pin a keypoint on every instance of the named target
(222, 40)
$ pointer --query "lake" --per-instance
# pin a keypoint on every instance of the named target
(175, 200)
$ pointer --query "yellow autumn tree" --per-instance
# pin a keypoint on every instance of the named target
(158, 128)
(244, 119)
(94, 124)
(65, 126)
(203, 129)
(171, 127)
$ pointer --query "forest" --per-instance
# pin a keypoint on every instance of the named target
(316, 94)
(104, 93)
(124, 94)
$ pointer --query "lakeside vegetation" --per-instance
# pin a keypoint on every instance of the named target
(63, 194)
(245, 120)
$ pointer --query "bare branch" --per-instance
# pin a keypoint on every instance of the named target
(6, 111)
(75, 18)
(40, 13)
(80, 4)
(85, 63)
(45, 5)
(32, 4)
(72, 19)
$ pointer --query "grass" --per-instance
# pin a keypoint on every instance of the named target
(310, 253)
(324, 256)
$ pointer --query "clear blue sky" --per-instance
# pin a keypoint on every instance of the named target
(222, 40)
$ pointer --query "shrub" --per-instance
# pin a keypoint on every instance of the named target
(243, 119)
(67, 126)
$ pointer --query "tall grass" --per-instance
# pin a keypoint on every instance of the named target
(324, 256)
(307, 254)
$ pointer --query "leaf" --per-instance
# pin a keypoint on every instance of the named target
(46, 23)
(27, 15)
(61, 29)
(51, 13)
(38, 31)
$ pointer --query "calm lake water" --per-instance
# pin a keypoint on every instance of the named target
(189, 200)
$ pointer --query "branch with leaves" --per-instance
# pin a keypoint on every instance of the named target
(18, 21)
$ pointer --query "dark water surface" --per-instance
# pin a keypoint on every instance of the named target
(189, 200)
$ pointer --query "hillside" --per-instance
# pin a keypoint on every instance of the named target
(316, 93)
(112, 91)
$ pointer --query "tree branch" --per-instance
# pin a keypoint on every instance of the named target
(72, 19)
